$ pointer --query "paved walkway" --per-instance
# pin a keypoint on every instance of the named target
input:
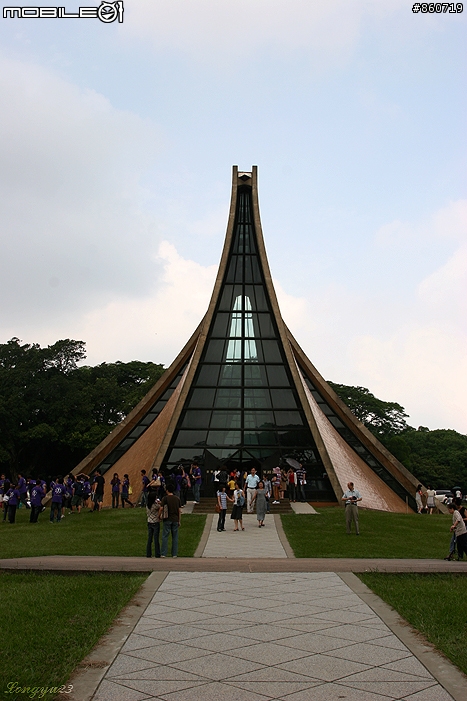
(252, 542)
(255, 637)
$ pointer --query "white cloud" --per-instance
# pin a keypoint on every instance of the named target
(71, 203)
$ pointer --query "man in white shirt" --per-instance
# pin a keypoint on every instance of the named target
(351, 498)
(251, 483)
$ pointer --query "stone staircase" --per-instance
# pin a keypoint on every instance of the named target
(207, 505)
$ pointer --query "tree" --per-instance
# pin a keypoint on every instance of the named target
(52, 412)
(384, 419)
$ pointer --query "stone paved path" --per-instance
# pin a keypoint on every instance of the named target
(252, 542)
(213, 636)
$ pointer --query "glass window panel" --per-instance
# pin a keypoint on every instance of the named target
(288, 418)
(260, 438)
(148, 419)
(196, 419)
(271, 352)
(257, 399)
(229, 398)
(231, 374)
(226, 419)
(283, 399)
(248, 273)
(215, 351)
(137, 432)
(202, 398)
(255, 270)
(235, 326)
(261, 302)
(260, 453)
(336, 422)
(265, 326)
(255, 375)
(259, 419)
(234, 351)
(178, 455)
(221, 324)
(277, 376)
(186, 437)
(252, 351)
(326, 409)
(296, 438)
(230, 277)
(126, 443)
(219, 438)
(208, 375)
(223, 453)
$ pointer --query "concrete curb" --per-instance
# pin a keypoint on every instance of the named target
(204, 536)
(90, 672)
(451, 678)
(282, 537)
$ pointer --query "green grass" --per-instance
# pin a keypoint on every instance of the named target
(381, 535)
(120, 532)
(51, 622)
(434, 604)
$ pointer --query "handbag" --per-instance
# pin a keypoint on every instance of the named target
(218, 508)
(130, 490)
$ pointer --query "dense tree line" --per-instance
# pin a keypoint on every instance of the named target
(53, 412)
(436, 457)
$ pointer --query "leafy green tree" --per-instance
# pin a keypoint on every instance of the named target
(52, 412)
(382, 418)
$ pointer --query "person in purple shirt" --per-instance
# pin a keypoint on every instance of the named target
(115, 482)
(58, 490)
(195, 472)
(144, 493)
(36, 494)
(13, 496)
(6, 487)
(86, 490)
(22, 488)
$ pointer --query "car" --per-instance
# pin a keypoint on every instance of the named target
(443, 495)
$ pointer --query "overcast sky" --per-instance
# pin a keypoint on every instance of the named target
(117, 142)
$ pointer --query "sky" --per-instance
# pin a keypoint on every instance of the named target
(116, 149)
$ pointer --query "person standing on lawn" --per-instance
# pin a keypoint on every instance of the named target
(144, 484)
(58, 490)
(154, 524)
(126, 492)
(37, 494)
(99, 482)
(22, 488)
(12, 498)
(351, 498)
(460, 529)
(6, 488)
(115, 482)
(171, 517)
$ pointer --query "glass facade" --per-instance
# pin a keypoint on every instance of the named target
(242, 409)
(144, 423)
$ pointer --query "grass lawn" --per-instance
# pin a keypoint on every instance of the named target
(381, 535)
(435, 604)
(110, 532)
(51, 622)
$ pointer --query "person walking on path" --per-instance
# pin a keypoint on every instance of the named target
(237, 509)
(251, 484)
(170, 512)
(459, 528)
(418, 499)
(222, 497)
(301, 482)
(261, 504)
(154, 524)
(351, 497)
(430, 499)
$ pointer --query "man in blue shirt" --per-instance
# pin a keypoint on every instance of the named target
(351, 498)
